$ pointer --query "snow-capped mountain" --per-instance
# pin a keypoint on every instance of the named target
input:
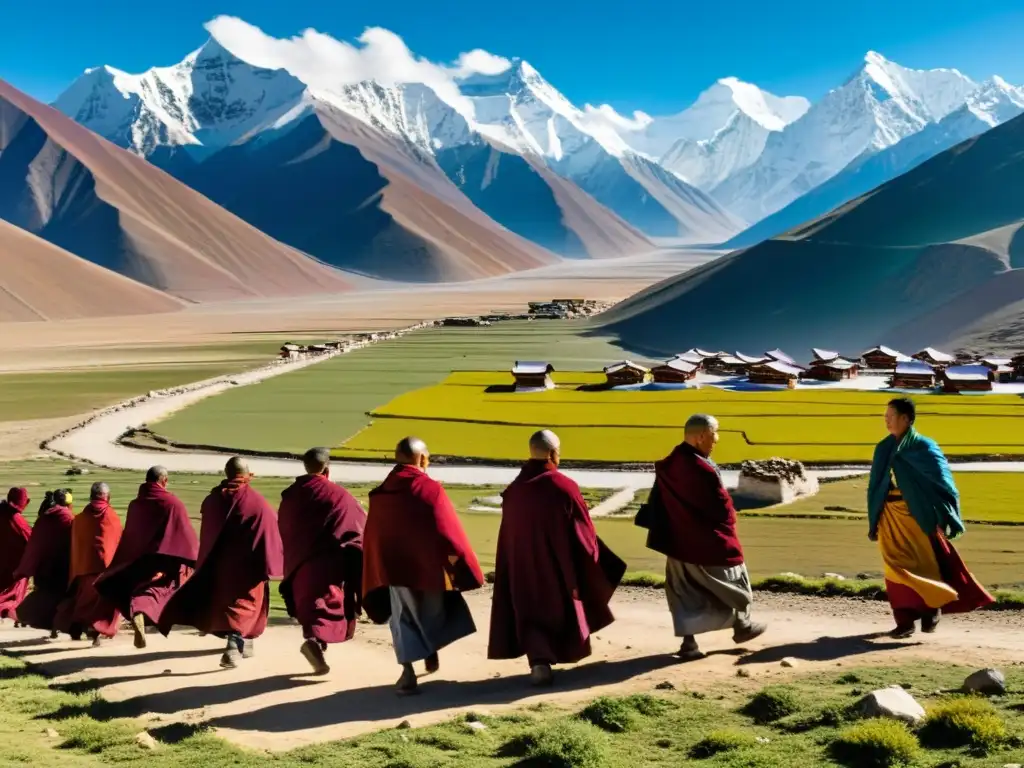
(879, 106)
(993, 103)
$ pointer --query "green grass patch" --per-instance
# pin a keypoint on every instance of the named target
(965, 722)
(717, 742)
(617, 714)
(565, 744)
(876, 744)
(772, 704)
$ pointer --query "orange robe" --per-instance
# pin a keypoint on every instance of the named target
(95, 534)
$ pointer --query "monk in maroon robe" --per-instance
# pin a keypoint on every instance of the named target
(156, 555)
(14, 534)
(95, 534)
(553, 578)
(322, 532)
(46, 561)
(228, 595)
(417, 560)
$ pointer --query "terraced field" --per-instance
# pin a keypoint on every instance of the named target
(475, 415)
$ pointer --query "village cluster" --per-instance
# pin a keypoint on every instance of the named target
(926, 370)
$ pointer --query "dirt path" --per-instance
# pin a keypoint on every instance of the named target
(271, 702)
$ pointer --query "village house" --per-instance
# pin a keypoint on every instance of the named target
(823, 355)
(530, 375)
(935, 358)
(291, 351)
(774, 372)
(692, 358)
(836, 369)
(674, 371)
(884, 359)
(726, 365)
(1001, 367)
(913, 375)
(967, 378)
(1017, 363)
(626, 372)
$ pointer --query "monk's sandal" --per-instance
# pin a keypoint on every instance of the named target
(139, 625)
(407, 684)
(541, 676)
(748, 632)
(314, 654)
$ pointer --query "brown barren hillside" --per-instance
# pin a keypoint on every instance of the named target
(81, 193)
(39, 281)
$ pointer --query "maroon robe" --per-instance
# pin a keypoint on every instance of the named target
(47, 561)
(14, 535)
(239, 551)
(156, 555)
(553, 578)
(95, 534)
(412, 534)
(322, 532)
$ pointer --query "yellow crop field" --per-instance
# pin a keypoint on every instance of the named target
(475, 415)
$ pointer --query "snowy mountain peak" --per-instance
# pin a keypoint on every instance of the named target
(766, 109)
(927, 94)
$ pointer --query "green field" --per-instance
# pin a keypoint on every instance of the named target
(773, 545)
(472, 415)
(326, 403)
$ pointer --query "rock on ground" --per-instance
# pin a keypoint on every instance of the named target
(893, 703)
(990, 682)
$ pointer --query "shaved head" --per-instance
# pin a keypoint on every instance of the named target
(236, 467)
(412, 450)
(157, 474)
(701, 432)
(316, 460)
(99, 491)
(545, 446)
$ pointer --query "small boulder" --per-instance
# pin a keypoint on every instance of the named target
(476, 725)
(51, 733)
(988, 682)
(834, 576)
(892, 703)
(790, 663)
(144, 740)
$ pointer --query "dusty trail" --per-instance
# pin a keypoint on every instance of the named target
(271, 702)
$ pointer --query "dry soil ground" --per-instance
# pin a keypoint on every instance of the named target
(271, 701)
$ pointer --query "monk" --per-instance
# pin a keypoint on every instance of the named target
(914, 514)
(553, 576)
(417, 561)
(46, 561)
(95, 534)
(156, 555)
(322, 531)
(691, 520)
(239, 552)
(14, 534)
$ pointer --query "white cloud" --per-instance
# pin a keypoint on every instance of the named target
(605, 115)
(325, 63)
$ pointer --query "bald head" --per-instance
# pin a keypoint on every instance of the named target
(236, 467)
(412, 451)
(701, 432)
(157, 474)
(545, 446)
(316, 461)
(99, 492)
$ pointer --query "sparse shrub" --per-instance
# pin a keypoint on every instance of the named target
(850, 678)
(965, 722)
(876, 743)
(617, 714)
(772, 704)
(562, 744)
(717, 742)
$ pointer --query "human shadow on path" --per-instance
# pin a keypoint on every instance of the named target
(91, 684)
(76, 664)
(379, 702)
(825, 649)
(187, 697)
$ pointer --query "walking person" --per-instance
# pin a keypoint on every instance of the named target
(914, 514)
(240, 551)
(692, 521)
(14, 534)
(47, 561)
(156, 555)
(417, 561)
(322, 532)
(553, 576)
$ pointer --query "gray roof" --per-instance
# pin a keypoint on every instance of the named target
(824, 355)
(532, 367)
(781, 367)
(915, 368)
(968, 373)
(679, 365)
(622, 365)
(751, 358)
(782, 357)
(890, 352)
(934, 354)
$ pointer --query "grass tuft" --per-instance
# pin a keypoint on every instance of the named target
(964, 722)
(772, 704)
(876, 743)
(619, 714)
(562, 744)
(718, 742)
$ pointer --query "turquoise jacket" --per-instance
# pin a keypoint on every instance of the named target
(924, 478)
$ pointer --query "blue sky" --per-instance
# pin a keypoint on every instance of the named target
(653, 55)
